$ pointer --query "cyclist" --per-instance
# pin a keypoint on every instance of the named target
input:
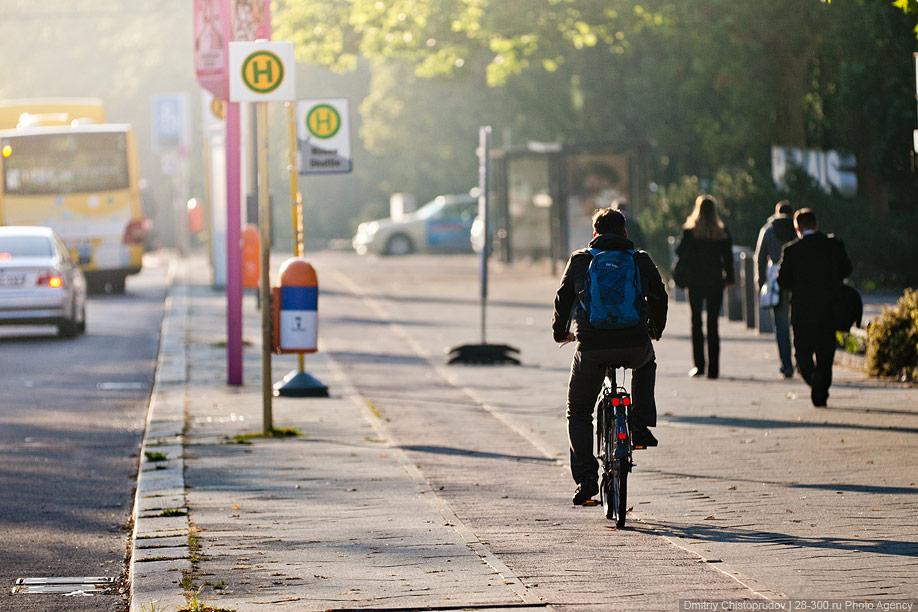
(599, 348)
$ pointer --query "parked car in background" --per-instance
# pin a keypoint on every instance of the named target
(39, 283)
(442, 225)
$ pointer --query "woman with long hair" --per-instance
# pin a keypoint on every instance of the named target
(706, 251)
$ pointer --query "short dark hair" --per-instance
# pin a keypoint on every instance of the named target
(805, 219)
(784, 207)
(609, 221)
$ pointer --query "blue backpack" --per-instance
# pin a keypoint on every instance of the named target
(612, 290)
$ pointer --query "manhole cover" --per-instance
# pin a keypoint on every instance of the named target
(72, 585)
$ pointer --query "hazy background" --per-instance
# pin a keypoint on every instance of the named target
(710, 84)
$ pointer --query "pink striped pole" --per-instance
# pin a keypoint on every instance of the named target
(233, 249)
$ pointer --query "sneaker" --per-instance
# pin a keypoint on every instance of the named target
(584, 493)
(696, 372)
(642, 438)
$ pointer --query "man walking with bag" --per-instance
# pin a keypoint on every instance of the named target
(777, 231)
(813, 268)
(625, 342)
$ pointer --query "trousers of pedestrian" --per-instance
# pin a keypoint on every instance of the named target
(781, 318)
(709, 300)
(588, 370)
(814, 350)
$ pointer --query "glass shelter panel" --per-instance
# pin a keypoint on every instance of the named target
(529, 204)
(594, 181)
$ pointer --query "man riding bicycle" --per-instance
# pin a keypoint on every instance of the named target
(599, 348)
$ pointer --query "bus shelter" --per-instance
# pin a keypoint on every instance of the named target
(544, 194)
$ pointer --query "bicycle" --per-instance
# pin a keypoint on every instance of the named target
(613, 447)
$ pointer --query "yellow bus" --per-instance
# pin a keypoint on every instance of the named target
(62, 170)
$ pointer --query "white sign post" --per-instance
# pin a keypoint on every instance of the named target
(260, 72)
(324, 136)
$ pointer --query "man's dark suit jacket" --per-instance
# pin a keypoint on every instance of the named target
(813, 268)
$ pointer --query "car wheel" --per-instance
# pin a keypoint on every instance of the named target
(399, 244)
(68, 328)
(81, 326)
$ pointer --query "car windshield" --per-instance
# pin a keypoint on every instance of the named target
(430, 209)
(24, 246)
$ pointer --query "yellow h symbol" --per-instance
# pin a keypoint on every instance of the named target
(267, 71)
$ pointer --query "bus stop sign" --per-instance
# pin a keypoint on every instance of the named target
(261, 71)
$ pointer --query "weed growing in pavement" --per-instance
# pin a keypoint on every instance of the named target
(143, 607)
(173, 512)
(196, 604)
(155, 456)
(187, 582)
(194, 547)
(222, 343)
(276, 432)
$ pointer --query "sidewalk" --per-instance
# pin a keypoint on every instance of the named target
(418, 485)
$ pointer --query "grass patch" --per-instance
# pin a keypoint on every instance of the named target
(155, 455)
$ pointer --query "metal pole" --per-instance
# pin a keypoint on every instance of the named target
(296, 208)
(264, 224)
(484, 155)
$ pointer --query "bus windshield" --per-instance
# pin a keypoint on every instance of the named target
(65, 163)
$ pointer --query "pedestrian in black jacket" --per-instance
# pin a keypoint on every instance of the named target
(599, 348)
(813, 268)
(706, 251)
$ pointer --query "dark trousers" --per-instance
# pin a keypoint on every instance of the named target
(708, 299)
(588, 371)
(814, 350)
(780, 316)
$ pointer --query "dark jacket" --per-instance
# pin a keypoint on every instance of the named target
(813, 268)
(777, 231)
(571, 290)
(709, 263)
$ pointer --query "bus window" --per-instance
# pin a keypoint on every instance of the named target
(65, 163)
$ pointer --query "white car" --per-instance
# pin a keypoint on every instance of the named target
(39, 282)
(441, 225)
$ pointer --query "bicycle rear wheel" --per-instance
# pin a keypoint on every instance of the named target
(619, 493)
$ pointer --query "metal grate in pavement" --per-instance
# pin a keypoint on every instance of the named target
(72, 585)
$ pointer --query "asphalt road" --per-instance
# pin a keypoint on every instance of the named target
(71, 420)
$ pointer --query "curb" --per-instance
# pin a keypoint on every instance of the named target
(160, 541)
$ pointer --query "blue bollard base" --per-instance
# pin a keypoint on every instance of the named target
(300, 384)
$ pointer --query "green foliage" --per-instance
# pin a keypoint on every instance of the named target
(907, 6)
(892, 339)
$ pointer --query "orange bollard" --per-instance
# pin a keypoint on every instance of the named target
(296, 305)
(251, 257)
(195, 216)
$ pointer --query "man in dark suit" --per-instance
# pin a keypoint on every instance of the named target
(813, 268)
